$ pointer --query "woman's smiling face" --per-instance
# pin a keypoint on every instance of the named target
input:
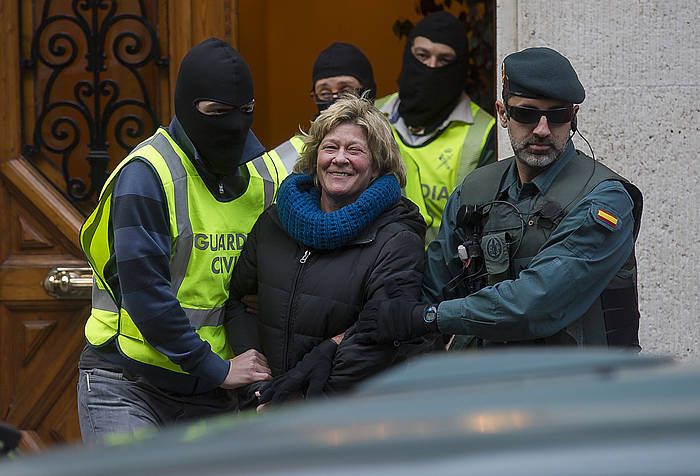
(344, 166)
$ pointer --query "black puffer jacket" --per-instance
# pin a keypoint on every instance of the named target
(306, 296)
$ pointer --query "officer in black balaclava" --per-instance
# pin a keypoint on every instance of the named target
(340, 68)
(441, 133)
(162, 242)
(214, 103)
(434, 71)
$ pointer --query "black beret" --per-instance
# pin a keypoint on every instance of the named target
(344, 59)
(541, 73)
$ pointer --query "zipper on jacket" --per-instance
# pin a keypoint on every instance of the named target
(292, 295)
(221, 188)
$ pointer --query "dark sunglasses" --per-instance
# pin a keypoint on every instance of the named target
(528, 115)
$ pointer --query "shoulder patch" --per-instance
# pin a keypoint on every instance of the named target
(606, 217)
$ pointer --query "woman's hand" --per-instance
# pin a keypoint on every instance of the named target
(250, 366)
(339, 338)
(250, 301)
(308, 376)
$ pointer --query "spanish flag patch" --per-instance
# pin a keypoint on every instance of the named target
(606, 218)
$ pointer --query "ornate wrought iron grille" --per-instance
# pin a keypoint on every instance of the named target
(96, 66)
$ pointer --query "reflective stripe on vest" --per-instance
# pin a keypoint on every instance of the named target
(474, 142)
(204, 247)
(205, 317)
(268, 183)
(101, 300)
(180, 256)
(288, 152)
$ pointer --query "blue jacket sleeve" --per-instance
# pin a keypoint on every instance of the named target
(573, 267)
(142, 251)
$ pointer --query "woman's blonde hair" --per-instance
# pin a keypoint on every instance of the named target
(350, 109)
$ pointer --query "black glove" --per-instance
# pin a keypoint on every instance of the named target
(248, 395)
(387, 321)
(308, 376)
(9, 439)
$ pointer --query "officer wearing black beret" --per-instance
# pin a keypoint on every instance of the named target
(541, 73)
(536, 249)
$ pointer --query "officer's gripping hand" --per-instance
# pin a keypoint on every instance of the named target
(391, 320)
(248, 367)
(308, 377)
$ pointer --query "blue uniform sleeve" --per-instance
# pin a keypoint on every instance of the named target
(573, 267)
(142, 251)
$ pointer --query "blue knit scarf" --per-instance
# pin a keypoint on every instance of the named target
(298, 203)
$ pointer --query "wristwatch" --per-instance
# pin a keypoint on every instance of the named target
(430, 314)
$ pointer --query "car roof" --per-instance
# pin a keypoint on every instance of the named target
(540, 412)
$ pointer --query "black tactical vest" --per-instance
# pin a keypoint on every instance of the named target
(510, 237)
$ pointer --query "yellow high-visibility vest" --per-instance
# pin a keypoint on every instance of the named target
(288, 152)
(206, 235)
(435, 168)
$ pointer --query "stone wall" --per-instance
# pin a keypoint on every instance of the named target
(640, 64)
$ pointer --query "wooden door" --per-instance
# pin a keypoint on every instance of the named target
(82, 83)
(281, 40)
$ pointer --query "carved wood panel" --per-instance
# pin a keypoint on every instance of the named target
(40, 337)
(43, 343)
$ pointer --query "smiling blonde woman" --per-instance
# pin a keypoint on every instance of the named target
(341, 235)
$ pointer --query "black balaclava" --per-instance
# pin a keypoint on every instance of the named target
(343, 59)
(428, 95)
(214, 71)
